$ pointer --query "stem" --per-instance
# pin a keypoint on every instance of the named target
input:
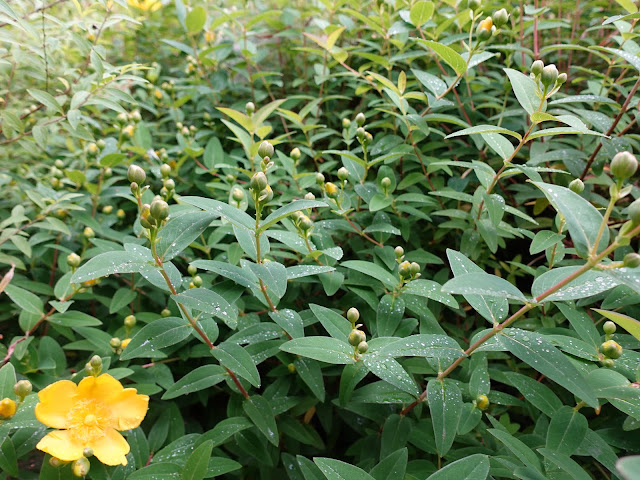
(263, 287)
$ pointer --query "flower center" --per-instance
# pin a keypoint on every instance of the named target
(91, 420)
(88, 420)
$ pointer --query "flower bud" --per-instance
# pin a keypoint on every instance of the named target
(129, 321)
(124, 343)
(7, 408)
(169, 184)
(631, 260)
(356, 337)
(87, 452)
(73, 260)
(159, 209)
(309, 196)
(609, 327)
(343, 173)
(237, 194)
(96, 362)
(165, 170)
(608, 362)
(482, 402)
(414, 268)
(134, 187)
(115, 342)
(305, 223)
(319, 178)
(360, 119)
(346, 123)
(92, 148)
(250, 107)
(265, 149)
(634, 212)
(197, 281)
(353, 315)
(484, 29)
(576, 186)
(55, 462)
(88, 232)
(360, 133)
(165, 313)
(80, 467)
(59, 163)
(623, 165)
(385, 183)
(363, 347)
(258, 182)
(295, 154)
(404, 269)
(399, 251)
(22, 388)
(107, 209)
(537, 67)
(136, 174)
(500, 17)
(549, 75)
(562, 78)
(611, 349)
(474, 4)
(331, 189)
(192, 270)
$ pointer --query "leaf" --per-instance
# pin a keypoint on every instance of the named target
(533, 349)
(202, 377)
(260, 412)
(629, 467)
(484, 129)
(631, 325)
(180, 232)
(198, 462)
(210, 302)
(335, 324)
(290, 322)
(164, 470)
(389, 315)
(231, 214)
(311, 374)
(24, 299)
(448, 54)
(421, 13)
(287, 210)
(564, 462)
(8, 459)
(324, 349)
(196, 19)
(337, 470)
(517, 447)
(238, 360)
(46, 99)
(583, 220)
(161, 333)
(392, 467)
(566, 431)
(372, 270)
(483, 284)
(389, 370)
(588, 284)
(629, 57)
(536, 393)
(525, 89)
(430, 289)
(226, 429)
(112, 262)
(473, 467)
(7, 380)
(424, 345)
(445, 405)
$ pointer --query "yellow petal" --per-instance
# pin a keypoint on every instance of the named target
(56, 401)
(128, 408)
(62, 445)
(99, 388)
(111, 448)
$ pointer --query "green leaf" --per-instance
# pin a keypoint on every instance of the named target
(517, 447)
(389, 315)
(161, 333)
(287, 210)
(335, 324)
(290, 322)
(226, 429)
(311, 374)
(238, 360)
(538, 394)
(243, 120)
(7, 380)
(537, 352)
(180, 232)
(484, 129)
(198, 462)
(543, 240)
(421, 13)
(565, 463)
(233, 215)
(525, 89)
(372, 270)
(389, 370)
(629, 57)
(588, 284)
(392, 467)
(629, 467)
(164, 470)
(631, 325)
(210, 302)
(424, 345)
(566, 431)
(445, 405)
(121, 299)
(583, 220)
(24, 299)
(259, 410)
(483, 284)
(202, 377)
(430, 289)
(473, 467)
(8, 459)
(324, 349)
(448, 54)
(46, 99)
(196, 19)
(337, 470)
(113, 262)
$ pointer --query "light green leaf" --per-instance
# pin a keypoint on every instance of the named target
(588, 284)
(180, 232)
(210, 302)
(389, 370)
(202, 377)
(631, 325)
(198, 462)
(566, 431)
(421, 13)
(196, 19)
(287, 210)
(525, 89)
(473, 467)
(484, 129)
(372, 270)
(448, 54)
(161, 333)
(483, 284)
(324, 349)
(337, 470)
(238, 360)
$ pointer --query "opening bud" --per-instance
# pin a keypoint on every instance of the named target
(356, 337)
(482, 402)
(258, 182)
(611, 349)
(500, 17)
(88, 232)
(331, 189)
(7, 408)
(266, 195)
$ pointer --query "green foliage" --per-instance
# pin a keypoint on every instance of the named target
(297, 160)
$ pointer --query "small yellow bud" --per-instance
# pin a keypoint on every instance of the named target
(7, 408)
(124, 343)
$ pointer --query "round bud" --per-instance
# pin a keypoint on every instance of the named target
(92, 148)
(474, 4)
(192, 270)
(295, 154)
(343, 173)
(55, 462)
(165, 313)
(484, 29)
(404, 269)
(399, 251)
(500, 17)
(562, 78)
(250, 107)
(549, 75)
(258, 182)
(165, 170)
(80, 467)
(96, 361)
(631, 260)
(265, 149)
(634, 212)
(136, 174)
(135, 116)
(353, 315)
(59, 163)
(363, 347)
(414, 268)
(360, 133)
(291, 367)
(266, 195)
(22, 388)
(159, 209)
(237, 194)
(609, 327)
(134, 187)
(306, 224)
(346, 123)
(107, 209)
(108, 173)
(87, 452)
(623, 165)
(319, 178)
(73, 260)
(197, 281)
(482, 402)
(611, 349)
(309, 196)
(356, 336)
(360, 119)
(169, 184)
(537, 67)
(608, 362)
(129, 321)
(115, 342)
(385, 182)
(331, 189)
(7, 408)
(120, 213)
(88, 232)
(576, 186)
(101, 143)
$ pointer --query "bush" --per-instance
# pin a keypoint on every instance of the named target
(341, 240)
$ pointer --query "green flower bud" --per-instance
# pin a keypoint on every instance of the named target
(634, 212)
(474, 4)
(562, 78)
(343, 173)
(169, 184)
(55, 462)
(108, 173)
(399, 251)
(258, 182)
(346, 123)
(265, 150)
(136, 174)
(484, 30)
(360, 119)
(115, 342)
(608, 362)
(631, 260)
(331, 189)
(96, 361)
(134, 188)
(121, 213)
(80, 467)
(611, 349)
(22, 388)
(129, 321)
(414, 268)
(250, 107)
(266, 195)
(107, 209)
(165, 313)
(363, 347)
(87, 452)
(59, 163)
(319, 178)
(237, 194)
(159, 209)
(356, 337)
(295, 154)
(88, 232)
(549, 75)
(609, 327)
(309, 196)
(165, 170)
(192, 270)
(623, 165)
(482, 402)
(404, 269)
(385, 182)
(305, 223)
(197, 281)
(360, 133)
(537, 67)
(576, 186)
(500, 18)
(353, 314)
(73, 260)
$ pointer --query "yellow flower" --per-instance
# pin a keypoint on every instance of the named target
(124, 343)
(145, 5)
(486, 24)
(89, 415)
(7, 408)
